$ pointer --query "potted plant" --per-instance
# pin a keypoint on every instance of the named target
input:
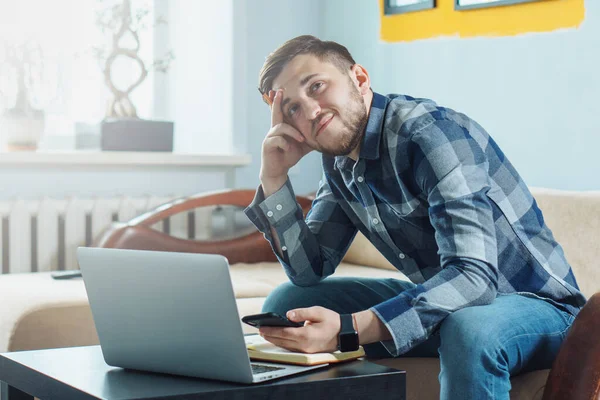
(122, 129)
(21, 71)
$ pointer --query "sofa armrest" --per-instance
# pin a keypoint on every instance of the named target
(137, 233)
(575, 373)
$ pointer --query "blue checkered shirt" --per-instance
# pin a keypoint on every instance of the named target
(437, 197)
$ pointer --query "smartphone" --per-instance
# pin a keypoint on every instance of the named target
(270, 319)
(66, 274)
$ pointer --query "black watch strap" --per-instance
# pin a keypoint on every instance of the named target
(348, 337)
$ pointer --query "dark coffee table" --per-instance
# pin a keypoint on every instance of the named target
(81, 373)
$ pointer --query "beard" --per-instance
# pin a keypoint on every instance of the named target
(354, 119)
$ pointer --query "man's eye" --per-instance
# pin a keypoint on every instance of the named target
(292, 110)
(316, 86)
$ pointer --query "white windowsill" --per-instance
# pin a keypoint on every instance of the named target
(123, 158)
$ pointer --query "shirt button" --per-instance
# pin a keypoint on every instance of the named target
(375, 221)
(360, 179)
(283, 248)
(278, 207)
(402, 256)
(269, 213)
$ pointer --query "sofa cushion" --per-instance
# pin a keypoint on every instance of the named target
(258, 279)
(574, 218)
(39, 312)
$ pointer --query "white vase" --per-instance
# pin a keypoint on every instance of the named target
(21, 131)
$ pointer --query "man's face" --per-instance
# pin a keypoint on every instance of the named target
(323, 104)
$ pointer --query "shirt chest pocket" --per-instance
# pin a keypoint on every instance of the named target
(413, 227)
(407, 211)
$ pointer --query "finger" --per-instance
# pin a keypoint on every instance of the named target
(271, 331)
(288, 130)
(279, 142)
(306, 148)
(286, 344)
(276, 114)
(313, 314)
(288, 333)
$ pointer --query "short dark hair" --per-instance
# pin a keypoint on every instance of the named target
(306, 44)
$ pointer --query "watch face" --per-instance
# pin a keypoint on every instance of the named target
(348, 338)
(348, 341)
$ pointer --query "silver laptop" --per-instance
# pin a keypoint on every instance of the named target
(169, 312)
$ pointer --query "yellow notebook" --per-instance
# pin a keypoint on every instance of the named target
(260, 349)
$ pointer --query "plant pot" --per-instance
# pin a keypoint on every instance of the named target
(133, 134)
(21, 131)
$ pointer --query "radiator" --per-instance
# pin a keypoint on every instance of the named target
(43, 235)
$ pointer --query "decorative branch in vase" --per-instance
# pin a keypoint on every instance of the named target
(21, 68)
(122, 129)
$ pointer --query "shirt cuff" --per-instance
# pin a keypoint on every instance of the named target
(254, 213)
(280, 204)
(266, 212)
(403, 322)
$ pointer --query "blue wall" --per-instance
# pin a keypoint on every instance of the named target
(260, 27)
(536, 94)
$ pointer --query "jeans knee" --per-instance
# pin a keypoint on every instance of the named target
(285, 297)
(466, 341)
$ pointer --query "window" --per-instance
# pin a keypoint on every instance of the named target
(196, 93)
(403, 6)
(64, 77)
(471, 4)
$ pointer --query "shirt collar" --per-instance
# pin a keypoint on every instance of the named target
(369, 148)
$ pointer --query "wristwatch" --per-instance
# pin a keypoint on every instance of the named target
(348, 337)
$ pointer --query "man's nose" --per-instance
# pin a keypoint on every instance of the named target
(312, 109)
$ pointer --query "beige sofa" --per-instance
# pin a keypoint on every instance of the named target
(38, 312)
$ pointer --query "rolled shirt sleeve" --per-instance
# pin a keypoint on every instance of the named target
(312, 248)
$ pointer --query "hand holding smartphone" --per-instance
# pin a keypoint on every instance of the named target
(270, 319)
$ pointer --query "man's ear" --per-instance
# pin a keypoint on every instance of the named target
(361, 79)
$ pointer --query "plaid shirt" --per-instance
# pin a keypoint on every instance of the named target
(438, 198)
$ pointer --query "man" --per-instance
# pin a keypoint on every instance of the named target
(491, 291)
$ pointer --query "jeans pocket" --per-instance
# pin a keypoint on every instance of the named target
(562, 309)
(569, 319)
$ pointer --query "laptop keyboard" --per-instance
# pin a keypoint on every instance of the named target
(259, 368)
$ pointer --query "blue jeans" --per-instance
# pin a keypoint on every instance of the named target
(479, 347)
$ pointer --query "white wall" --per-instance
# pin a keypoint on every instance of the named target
(196, 92)
(35, 182)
